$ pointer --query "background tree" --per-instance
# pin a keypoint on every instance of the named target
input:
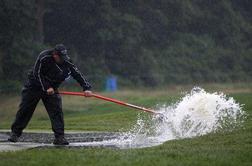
(149, 43)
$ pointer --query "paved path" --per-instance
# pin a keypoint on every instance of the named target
(35, 139)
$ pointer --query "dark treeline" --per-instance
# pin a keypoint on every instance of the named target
(142, 42)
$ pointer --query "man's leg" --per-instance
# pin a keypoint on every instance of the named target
(53, 104)
(29, 101)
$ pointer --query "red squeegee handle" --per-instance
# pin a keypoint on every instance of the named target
(109, 99)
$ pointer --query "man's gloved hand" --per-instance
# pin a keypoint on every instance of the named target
(50, 91)
(88, 93)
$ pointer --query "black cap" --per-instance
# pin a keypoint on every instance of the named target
(62, 51)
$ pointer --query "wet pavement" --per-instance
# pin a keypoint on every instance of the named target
(44, 140)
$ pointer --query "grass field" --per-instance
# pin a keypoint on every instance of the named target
(233, 148)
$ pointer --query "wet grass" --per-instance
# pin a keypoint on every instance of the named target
(227, 148)
(214, 149)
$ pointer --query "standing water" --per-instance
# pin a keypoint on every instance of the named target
(197, 113)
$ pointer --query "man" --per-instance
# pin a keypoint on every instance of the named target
(51, 68)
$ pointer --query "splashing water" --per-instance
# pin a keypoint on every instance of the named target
(198, 113)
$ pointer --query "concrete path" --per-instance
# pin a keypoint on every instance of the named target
(8, 146)
(44, 140)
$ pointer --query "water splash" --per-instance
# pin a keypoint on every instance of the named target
(197, 113)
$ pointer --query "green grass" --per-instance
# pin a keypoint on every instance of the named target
(228, 148)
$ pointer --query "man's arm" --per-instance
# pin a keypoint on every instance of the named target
(77, 75)
(38, 73)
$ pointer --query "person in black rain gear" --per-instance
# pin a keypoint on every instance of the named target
(51, 68)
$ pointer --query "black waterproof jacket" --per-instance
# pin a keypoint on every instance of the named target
(47, 73)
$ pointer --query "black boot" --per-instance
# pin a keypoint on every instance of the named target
(60, 141)
(13, 137)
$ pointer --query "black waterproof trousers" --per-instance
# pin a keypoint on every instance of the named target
(30, 98)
